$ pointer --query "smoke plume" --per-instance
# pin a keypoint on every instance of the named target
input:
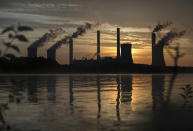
(79, 31)
(170, 36)
(159, 26)
(52, 34)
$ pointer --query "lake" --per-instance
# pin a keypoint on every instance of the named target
(58, 102)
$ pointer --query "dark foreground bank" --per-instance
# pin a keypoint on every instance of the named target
(42, 65)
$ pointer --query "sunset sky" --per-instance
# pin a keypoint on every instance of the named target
(136, 19)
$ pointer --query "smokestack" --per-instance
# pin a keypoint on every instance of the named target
(71, 51)
(51, 54)
(52, 34)
(98, 45)
(32, 52)
(153, 38)
(153, 46)
(118, 43)
(126, 54)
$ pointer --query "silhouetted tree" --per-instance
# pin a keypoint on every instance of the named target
(14, 33)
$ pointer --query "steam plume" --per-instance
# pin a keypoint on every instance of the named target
(80, 31)
(159, 26)
(52, 34)
(170, 36)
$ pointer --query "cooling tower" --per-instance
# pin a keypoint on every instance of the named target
(71, 51)
(126, 54)
(32, 52)
(98, 45)
(51, 54)
(157, 53)
(118, 43)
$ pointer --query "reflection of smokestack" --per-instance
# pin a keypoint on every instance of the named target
(51, 54)
(71, 52)
(98, 45)
(32, 52)
(126, 54)
(32, 89)
(51, 88)
(118, 99)
(118, 42)
(99, 96)
(71, 93)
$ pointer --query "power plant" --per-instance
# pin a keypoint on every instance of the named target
(32, 49)
(71, 51)
(98, 45)
(158, 47)
(51, 54)
(157, 52)
(126, 54)
(118, 43)
(124, 58)
(124, 51)
(32, 52)
(52, 34)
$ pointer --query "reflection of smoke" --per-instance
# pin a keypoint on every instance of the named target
(52, 34)
(80, 31)
(157, 91)
(170, 36)
(159, 26)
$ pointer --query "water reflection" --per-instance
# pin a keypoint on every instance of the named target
(126, 89)
(124, 92)
(32, 89)
(118, 99)
(51, 88)
(157, 91)
(98, 97)
(101, 100)
(71, 93)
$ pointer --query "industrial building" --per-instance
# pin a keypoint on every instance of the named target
(124, 55)
(32, 49)
(51, 54)
(157, 52)
(32, 52)
(124, 58)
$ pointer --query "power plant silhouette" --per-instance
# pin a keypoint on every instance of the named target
(158, 48)
(157, 52)
(124, 57)
(52, 34)
(124, 51)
